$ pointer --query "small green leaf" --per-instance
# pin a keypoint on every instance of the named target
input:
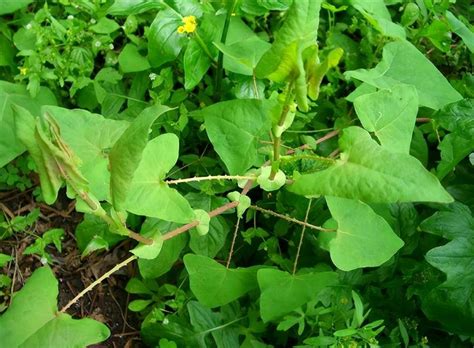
(96, 243)
(244, 202)
(282, 292)
(139, 305)
(204, 219)
(105, 26)
(268, 184)
(215, 285)
(4, 259)
(130, 60)
(149, 251)
(196, 63)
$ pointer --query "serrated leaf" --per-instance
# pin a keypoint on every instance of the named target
(41, 325)
(282, 292)
(126, 154)
(214, 285)
(149, 195)
(369, 173)
(391, 114)
(403, 63)
(362, 239)
(234, 128)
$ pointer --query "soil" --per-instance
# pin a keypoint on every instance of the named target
(107, 302)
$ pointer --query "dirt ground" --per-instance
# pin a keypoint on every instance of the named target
(107, 302)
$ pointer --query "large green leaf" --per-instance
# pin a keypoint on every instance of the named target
(461, 29)
(130, 7)
(391, 114)
(458, 118)
(403, 63)
(196, 63)
(126, 154)
(32, 319)
(284, 60)
(14, 94)
(368, 172)
(148, 194)
(362, 239)
(215, 285)
(90, 136)
(282, 292)
(234, 128)
(377, 14)
(452, 302)
(9, 6)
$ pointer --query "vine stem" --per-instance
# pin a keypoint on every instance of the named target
(210, 177)
(220, 57)
(290, 219)
(295, 264)
(97, 282)
(233, 243)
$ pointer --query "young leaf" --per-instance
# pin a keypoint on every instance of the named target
(268, 184)
(244, 202)
(204, 219)
(41, 325)
(369, 173)
(282, 292)
(284, 60)
(403, 63)
(391, 114)
(4, 259)
(234, 128)
(90, 136)
(214, 285)
(362, 239)
(149, 195)
(126, 154)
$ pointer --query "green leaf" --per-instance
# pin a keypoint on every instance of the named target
(234, 128)
(244, 202)
(458, 118)
(93, 232)
(139, 305)
(148, 194)
(131, 7)
(282, 292)
(403, 63)
(10, 6)
(149, 251)
(196, 63)
(391, 114)
(209, 244)
(130, 60)
(362, 239)
(150, 269)
(214, 285)
(105, 26)
(90, 136)
(126, 154)
(461, 29)
(284, 60)
(41, 325)
(242, 57)
(369, 173)
(13, 94)
(268, 184)
(204, 219)
(4, 259)
(377, 14)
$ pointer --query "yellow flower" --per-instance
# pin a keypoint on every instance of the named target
(23, 71)
(189, 25)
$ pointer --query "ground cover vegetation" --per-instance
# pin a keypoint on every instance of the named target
(239, 173)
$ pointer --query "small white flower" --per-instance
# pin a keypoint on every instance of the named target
(93, 21)
(44, 260)
(28, 26)
(97, 44)
(152, 76)
(111, 46)
(70, 17)
(166, 321)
